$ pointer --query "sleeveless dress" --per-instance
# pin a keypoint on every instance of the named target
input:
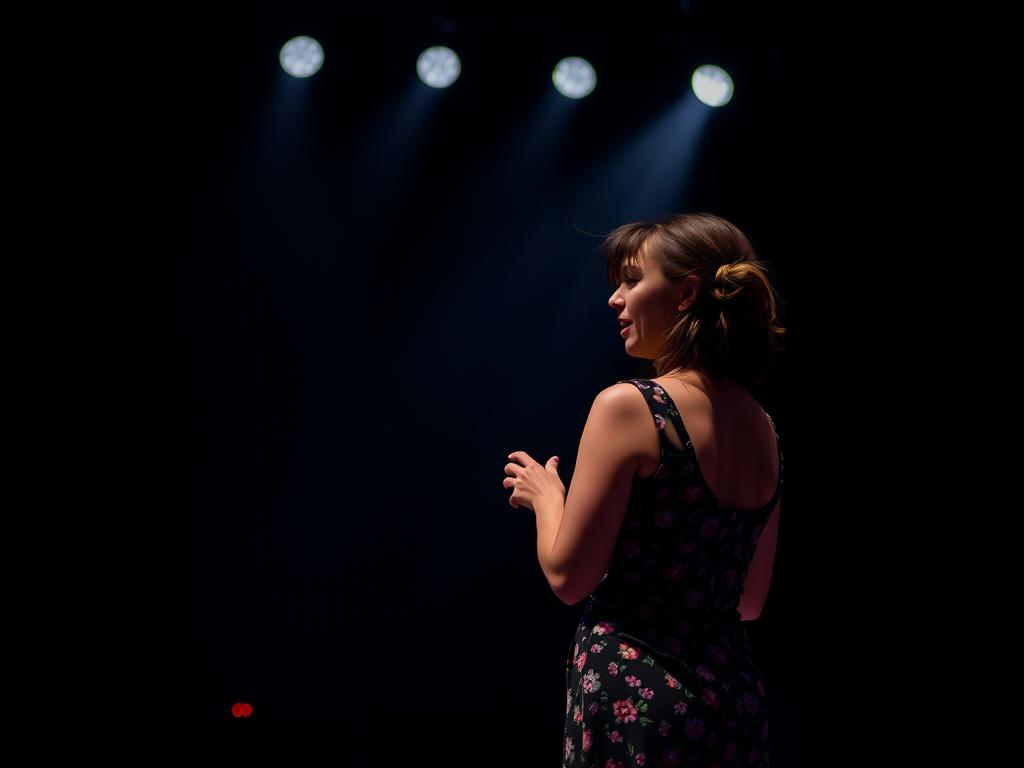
(660, 671)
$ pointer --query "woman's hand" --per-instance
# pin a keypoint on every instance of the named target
(531, 483)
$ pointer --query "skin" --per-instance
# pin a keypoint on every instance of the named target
(651, 301)
(619, 442)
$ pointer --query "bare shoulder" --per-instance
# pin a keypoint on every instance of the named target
(622, 400)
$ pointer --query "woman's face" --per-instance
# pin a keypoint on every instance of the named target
(649, 302)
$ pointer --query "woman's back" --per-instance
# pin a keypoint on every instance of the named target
(660, 663)
(733, 439)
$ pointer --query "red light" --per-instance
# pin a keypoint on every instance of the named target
(241, 709)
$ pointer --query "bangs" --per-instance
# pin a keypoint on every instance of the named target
(622, 248)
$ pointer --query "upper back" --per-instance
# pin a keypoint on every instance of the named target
(732, 437)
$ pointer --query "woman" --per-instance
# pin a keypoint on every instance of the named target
(671, 521)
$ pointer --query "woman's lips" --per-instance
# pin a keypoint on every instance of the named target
(625, 331)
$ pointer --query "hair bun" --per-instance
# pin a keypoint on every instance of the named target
(726, 283)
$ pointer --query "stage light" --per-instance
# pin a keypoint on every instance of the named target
(302, 56)
(438, 67)
(574, 77)
(712, 85)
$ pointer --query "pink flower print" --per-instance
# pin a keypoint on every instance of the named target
(568, 749)
(594, 707)
(706, 673)
(632, 680)
(602, 628)
(675, 572)
(672, 682)
(717, 654)
(659, 422)
(613, 763)
(730, 750)
(596, 648)
(647, 693)
(750, 702)
(673, 756)
(680, 708)
(693, 493)
(580, 661)
(575, 652)
(710, 698)
(658, 394)
(591, 681)
(664, 518)
(615, 736)
(577, 715)
(640, 758)
(708, 529)
(586, 739)
(664, 728)
(631, 549)
(693, 728)
(613, 668)
(628, 652)
(624, 711)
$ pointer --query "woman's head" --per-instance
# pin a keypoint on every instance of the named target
(696, 296)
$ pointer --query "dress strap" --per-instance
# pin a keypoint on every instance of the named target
(663, 409)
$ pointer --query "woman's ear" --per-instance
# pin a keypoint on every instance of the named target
(691, 287)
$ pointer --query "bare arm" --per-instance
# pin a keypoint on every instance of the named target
(759, 574)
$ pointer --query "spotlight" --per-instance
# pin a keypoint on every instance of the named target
(438, 67)
(712, 85)
(302, 56)
(574, 77)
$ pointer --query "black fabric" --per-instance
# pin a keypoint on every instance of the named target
(661, 671)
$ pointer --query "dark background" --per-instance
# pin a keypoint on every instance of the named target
(368, 293)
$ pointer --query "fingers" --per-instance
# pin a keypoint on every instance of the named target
(521, 457)
(510, 470)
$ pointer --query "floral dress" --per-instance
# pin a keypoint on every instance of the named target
(660, 670)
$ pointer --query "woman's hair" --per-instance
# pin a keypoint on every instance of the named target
(730, 330)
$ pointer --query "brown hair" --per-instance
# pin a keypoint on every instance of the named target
(730, 330)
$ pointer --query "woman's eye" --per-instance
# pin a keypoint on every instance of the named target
(629, 279)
